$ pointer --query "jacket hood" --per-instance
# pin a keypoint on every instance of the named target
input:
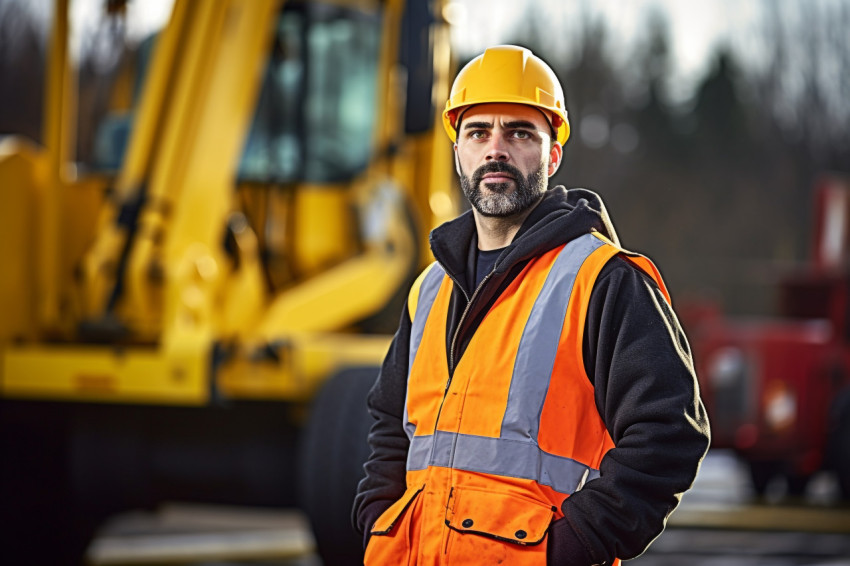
(562, 215)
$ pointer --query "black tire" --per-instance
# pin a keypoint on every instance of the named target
(760, 475)
(797, 484)
(333, 449)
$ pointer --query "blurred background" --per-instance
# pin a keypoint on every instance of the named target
(703, 127)
(210, 214)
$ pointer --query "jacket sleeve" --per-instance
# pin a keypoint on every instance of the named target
(386, 467)
(646, 391)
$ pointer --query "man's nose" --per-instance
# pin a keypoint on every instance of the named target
(497, 150)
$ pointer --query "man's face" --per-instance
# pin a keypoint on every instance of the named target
(504, 155)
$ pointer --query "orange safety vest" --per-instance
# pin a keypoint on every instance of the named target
(497, 448)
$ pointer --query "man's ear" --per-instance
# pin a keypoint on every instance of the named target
(556, 153)
(457, 161)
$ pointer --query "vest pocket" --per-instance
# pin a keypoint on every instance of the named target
(392, 540)
(500, 526)
(388, 519)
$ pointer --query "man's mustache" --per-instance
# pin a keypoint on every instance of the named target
(495, 167)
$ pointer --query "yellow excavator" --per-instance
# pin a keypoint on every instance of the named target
(197, 311)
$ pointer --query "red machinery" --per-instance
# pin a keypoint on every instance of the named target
(778, 390)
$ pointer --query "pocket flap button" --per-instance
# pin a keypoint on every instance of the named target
(520, 534)
(467, 523)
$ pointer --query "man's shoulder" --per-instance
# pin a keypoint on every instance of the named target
(623, 274)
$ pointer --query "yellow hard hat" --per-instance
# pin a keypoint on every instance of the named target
(508, 73)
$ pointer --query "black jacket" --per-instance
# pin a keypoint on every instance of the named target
(635, 355)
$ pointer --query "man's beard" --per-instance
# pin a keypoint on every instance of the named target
(498, 202)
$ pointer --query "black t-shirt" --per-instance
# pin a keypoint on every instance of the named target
(484, 264)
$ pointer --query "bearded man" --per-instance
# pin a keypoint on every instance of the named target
(538, 404)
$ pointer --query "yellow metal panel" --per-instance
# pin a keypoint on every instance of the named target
(59, 100)
(103, 374)
(82, 204)
(337, 297)
(153, 111)
(346, 293)
(22, 173)
(142, 304)
(192, 185)
(322, 355)
(212, 113)
(304, 361)
(59, 121)
(324, 231)
(243, 298)
(99, 264)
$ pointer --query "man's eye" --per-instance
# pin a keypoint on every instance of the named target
(477, 134)
(522, 134)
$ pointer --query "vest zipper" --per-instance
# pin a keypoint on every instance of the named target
(451, 354)
(469, 301)
(457, 331)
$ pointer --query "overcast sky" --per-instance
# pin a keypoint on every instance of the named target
(695, 27)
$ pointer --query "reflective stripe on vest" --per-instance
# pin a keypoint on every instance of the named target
(515, 452)
(428, 285)
(499, 457)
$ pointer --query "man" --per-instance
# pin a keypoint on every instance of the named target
(538, 403)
